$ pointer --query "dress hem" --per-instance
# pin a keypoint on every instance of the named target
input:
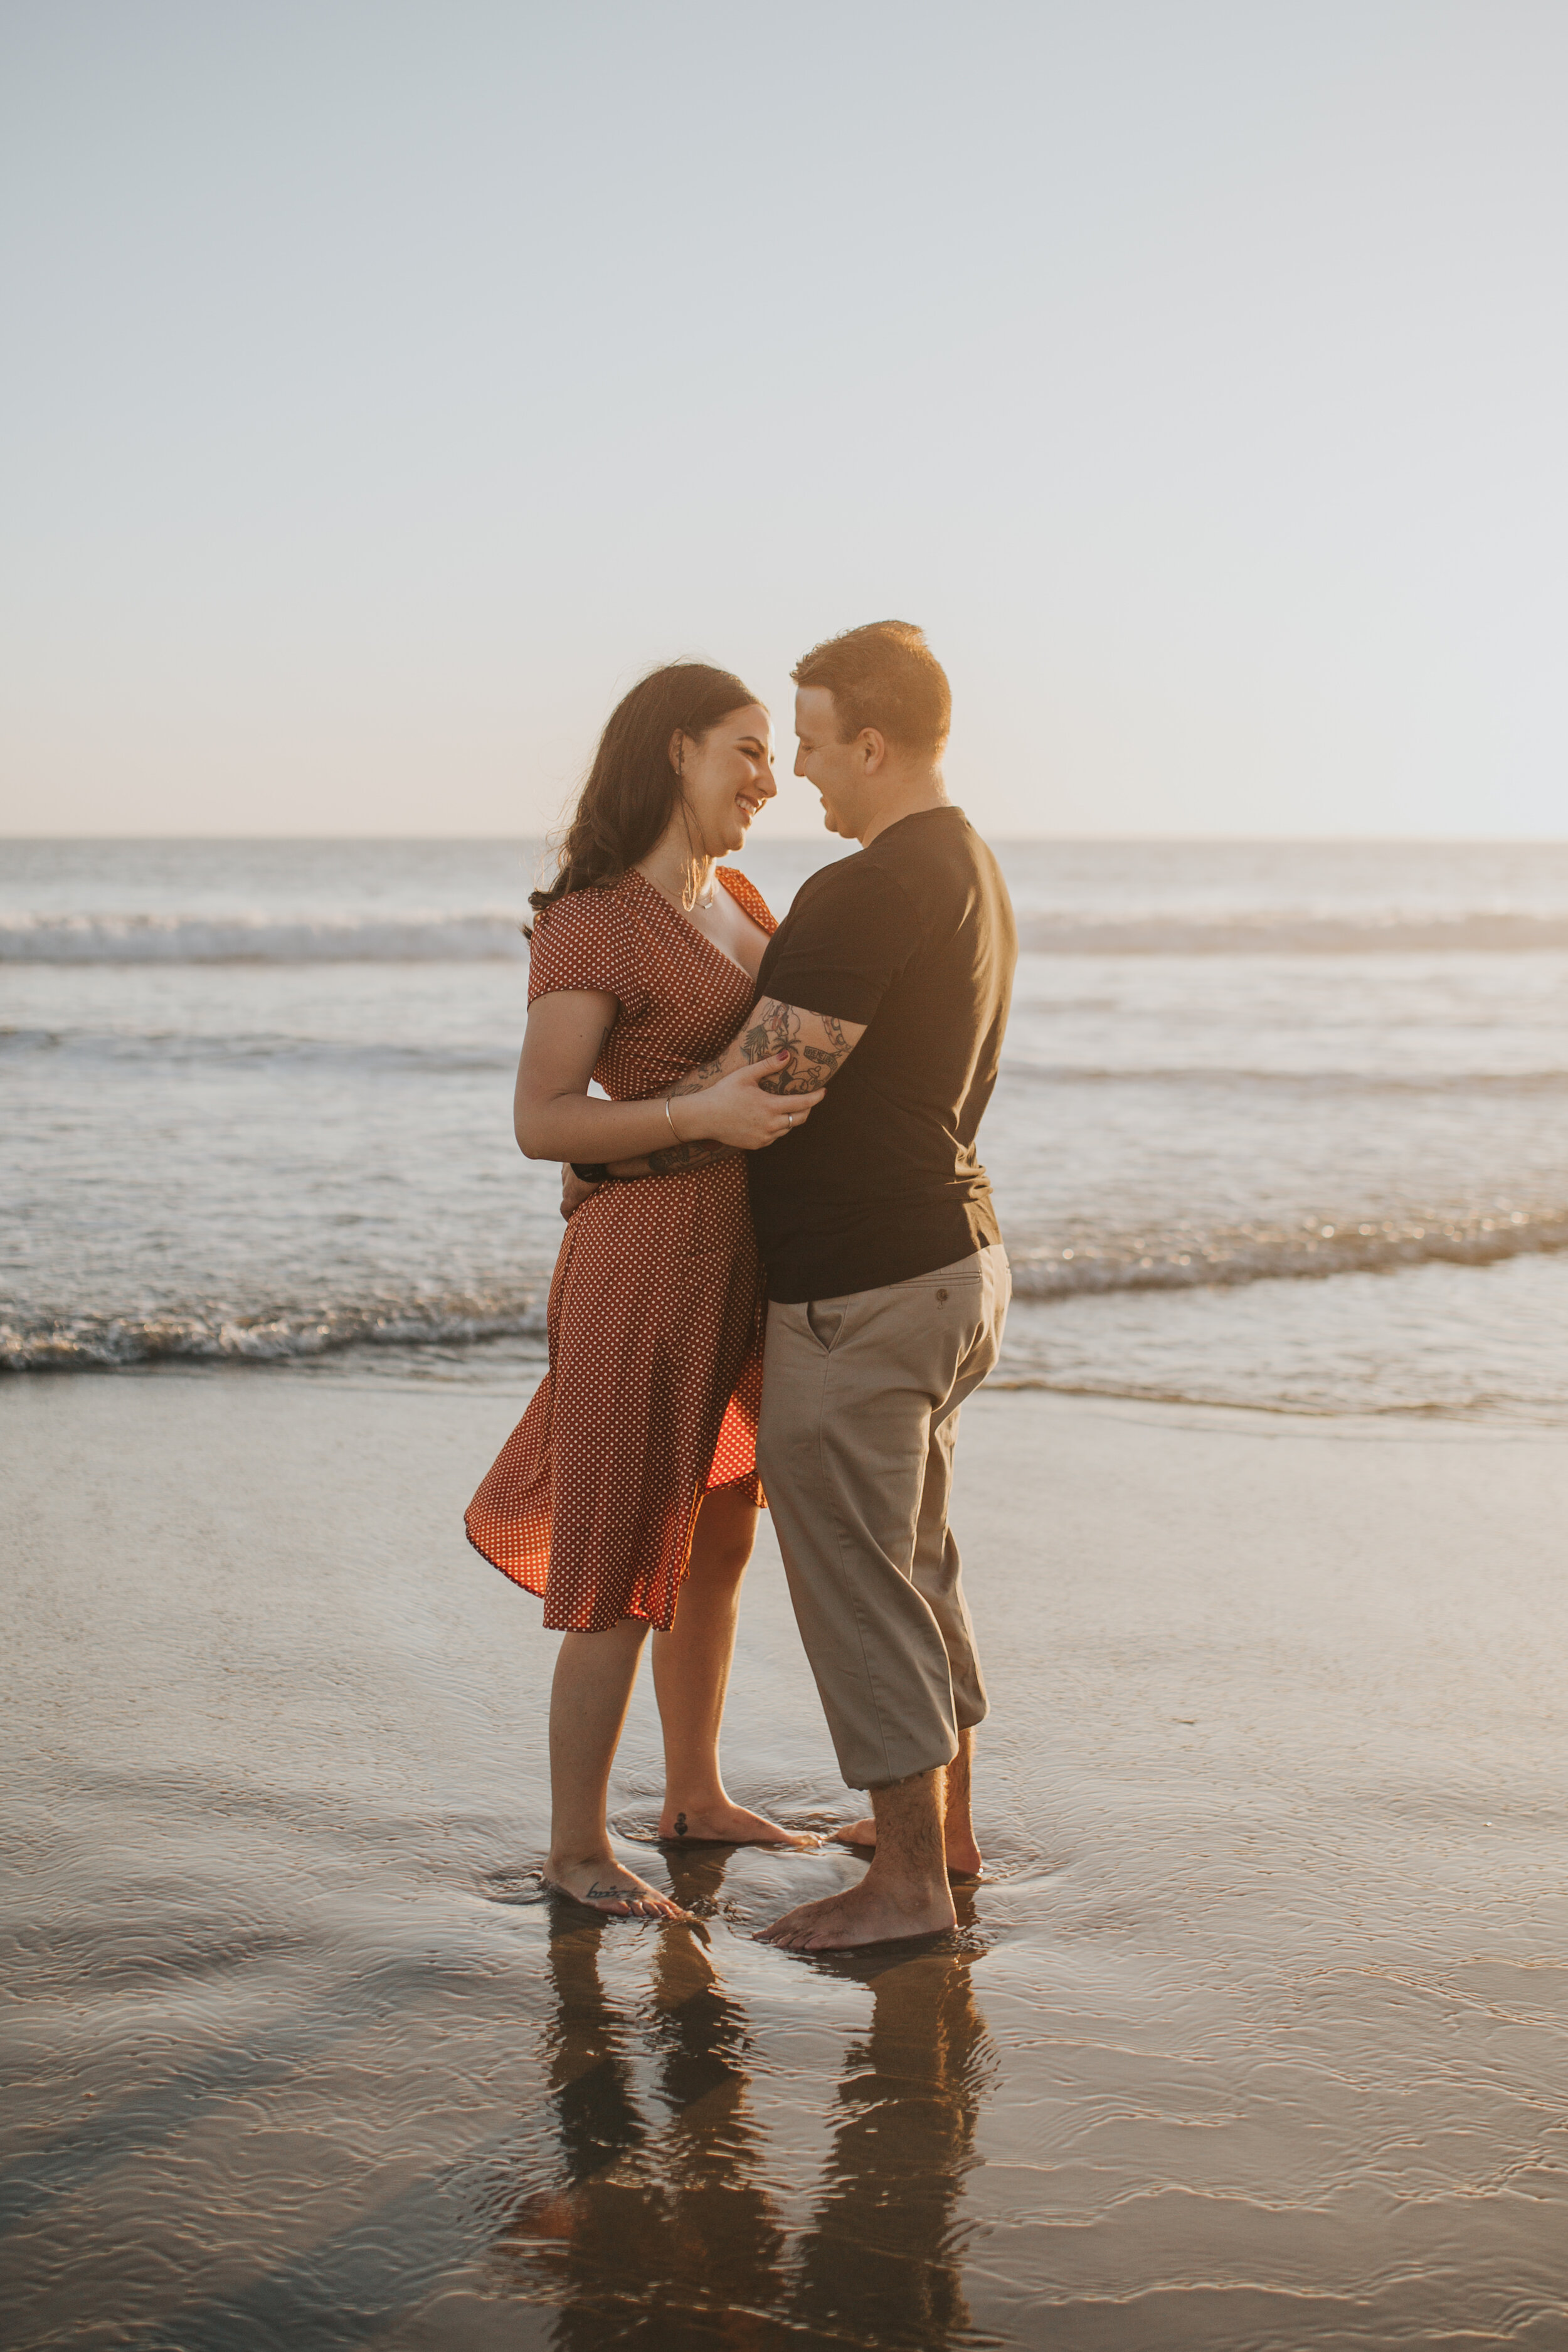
(746, 1478)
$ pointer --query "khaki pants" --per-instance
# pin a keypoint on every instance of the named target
(860, 1398)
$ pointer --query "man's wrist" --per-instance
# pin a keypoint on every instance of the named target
(590, 1171)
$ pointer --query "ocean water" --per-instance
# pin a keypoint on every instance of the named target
(1282, 1126)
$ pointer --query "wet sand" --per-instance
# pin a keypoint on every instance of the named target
(1254, 2036)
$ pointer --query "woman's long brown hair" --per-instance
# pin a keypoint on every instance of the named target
(632, 788)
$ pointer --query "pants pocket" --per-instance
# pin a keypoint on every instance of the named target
(825, 1320)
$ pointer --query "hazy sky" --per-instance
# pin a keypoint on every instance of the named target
(388, 382)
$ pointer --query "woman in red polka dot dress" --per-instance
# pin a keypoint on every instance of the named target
(630, 1485)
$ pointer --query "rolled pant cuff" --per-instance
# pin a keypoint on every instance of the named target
(875, 1788)
(937, 1763)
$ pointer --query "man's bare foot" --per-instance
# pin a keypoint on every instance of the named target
(604, 1886)
(725, 1824)
(867, 1913)
(963, 1853)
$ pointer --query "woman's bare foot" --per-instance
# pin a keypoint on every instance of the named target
(963, 1853)
(867, 1913)
(604, 1886)
(725, 1824)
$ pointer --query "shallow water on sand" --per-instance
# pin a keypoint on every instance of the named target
(1252, 2036)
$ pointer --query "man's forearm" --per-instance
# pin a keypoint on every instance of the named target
(664, 1163)
(815, 1043)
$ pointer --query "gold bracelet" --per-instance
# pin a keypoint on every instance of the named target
(670, 1116)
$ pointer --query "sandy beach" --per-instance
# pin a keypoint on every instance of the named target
(1251, 2038)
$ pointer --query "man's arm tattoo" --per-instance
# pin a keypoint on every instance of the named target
(816, 1046)
(775, 1028)
(673, 1156)
(814, 1041)
(822, 1061)
(685, 1155)
(697, 1081)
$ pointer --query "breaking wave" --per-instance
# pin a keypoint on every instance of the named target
(214, 1333)
(84, 1343)
(1266, 1254)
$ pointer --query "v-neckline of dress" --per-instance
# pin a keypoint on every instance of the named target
(687, 925)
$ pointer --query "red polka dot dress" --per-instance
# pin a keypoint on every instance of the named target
(656, 1308)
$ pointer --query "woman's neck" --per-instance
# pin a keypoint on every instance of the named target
(673, 868)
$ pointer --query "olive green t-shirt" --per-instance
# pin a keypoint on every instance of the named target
(914, 937)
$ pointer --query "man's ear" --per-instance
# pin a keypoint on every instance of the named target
(872, 747)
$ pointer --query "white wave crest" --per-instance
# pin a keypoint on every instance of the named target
(201, 1331)
(261, 938)
(102, 1342)
(1265, 1254)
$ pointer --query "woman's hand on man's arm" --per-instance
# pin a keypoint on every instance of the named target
(769, 1078)
(816, 1046)
(784, 1051)
(555, 1117)
(740, 1110)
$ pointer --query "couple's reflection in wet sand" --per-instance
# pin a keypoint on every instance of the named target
(667, 2225)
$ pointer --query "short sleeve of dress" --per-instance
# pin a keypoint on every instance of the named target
(748, 898)
(585, 941)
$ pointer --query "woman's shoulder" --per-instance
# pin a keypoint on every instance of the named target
(596, 906)
(584, 939)
(748, 898)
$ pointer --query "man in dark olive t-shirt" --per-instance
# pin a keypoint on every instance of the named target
(885, 991)
(889, 980)
(914, 939)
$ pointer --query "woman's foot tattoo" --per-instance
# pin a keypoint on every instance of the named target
(604, 1886)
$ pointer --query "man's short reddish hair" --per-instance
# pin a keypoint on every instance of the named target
(883, 676)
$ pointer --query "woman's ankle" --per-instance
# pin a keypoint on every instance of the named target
(684, 1799)
(579, 1853)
